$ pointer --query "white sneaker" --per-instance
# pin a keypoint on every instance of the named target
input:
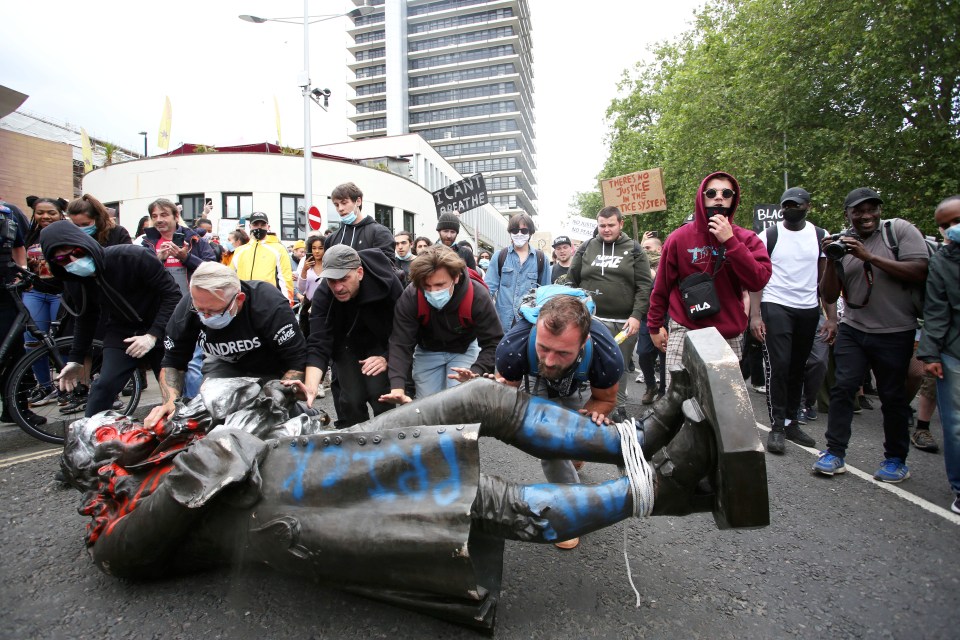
(639, 378)
(321, 393)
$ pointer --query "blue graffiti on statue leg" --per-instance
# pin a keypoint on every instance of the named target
(377, 491)
(336, 468)
(576, 508)
(552, 427)
(448, 490)
(296, 477)
(417, 474)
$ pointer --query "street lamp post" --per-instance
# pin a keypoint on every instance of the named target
(144, 134)
(304, 83)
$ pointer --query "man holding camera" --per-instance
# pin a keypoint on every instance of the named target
(878, 326)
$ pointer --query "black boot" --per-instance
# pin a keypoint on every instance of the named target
(665, 418)
(776, 441)
(689, 457)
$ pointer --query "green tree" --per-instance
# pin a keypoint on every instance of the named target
(837, 95)
(586, 204)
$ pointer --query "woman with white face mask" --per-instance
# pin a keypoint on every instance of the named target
(515, 270)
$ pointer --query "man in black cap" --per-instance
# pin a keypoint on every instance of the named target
(562, 257)
(873, 264)
(264, 258)
(784, 316)
(351, 319)
(448, 226)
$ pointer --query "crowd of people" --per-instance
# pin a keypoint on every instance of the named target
(379, 318)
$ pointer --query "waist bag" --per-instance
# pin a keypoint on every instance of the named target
(699, 294)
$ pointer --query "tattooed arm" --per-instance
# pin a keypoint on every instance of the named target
(171, 388)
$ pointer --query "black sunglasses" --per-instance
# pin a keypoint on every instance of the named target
(726, 193)
(76, 252)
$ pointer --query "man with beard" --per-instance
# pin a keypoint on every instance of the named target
(571, 350)
(877, 329)
(448, 228)
(563, 257)
(784, 316)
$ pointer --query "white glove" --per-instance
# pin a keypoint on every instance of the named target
(69, 376)
(140, 345)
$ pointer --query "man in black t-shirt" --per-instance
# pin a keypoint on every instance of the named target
(244, 329)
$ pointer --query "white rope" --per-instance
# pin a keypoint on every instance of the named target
(640, 474)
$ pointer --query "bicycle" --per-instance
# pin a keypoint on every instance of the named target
(47, 422)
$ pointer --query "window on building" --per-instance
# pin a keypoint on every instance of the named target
(289, 205)
(192, 204)
(384, 215)
(236, 205)
(409, 220)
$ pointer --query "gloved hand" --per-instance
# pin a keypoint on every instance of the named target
(69, 376)
(140, 345)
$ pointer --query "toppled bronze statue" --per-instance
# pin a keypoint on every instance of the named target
(396, 508)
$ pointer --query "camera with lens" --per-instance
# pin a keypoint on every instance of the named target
(837, 248)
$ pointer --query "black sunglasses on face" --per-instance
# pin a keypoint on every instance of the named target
(76, 252)
(726, 193)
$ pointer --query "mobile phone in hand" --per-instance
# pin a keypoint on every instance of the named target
(178, 239)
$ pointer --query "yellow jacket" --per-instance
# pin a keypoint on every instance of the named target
(265, 260)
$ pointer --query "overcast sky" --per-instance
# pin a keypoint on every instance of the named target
(107, 65)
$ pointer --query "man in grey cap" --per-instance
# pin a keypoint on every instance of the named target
(448, 226)
(351, 319)
(784, 316)
(873, 265)
(562, 258)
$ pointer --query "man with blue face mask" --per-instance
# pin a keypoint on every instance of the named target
(357, 229)
(445, 323)
(123, 288)
(244, 328)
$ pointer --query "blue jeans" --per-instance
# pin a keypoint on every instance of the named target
(888, 355)
(430, 368)
(193, 378)
(948, 403)
(43, 308)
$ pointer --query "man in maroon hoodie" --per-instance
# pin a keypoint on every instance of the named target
(710, 245)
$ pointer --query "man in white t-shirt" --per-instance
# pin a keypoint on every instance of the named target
(785, 319)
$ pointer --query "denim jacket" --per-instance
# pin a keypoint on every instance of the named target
(515, 280)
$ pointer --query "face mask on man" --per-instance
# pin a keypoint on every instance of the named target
(259, 233)
(953, 233)
(438, 299)
(350, 218)
(520, 239)
(218, 321)
(405, 258)
(794, 214)
(83, 267)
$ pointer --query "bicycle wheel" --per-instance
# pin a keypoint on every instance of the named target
(48, 419)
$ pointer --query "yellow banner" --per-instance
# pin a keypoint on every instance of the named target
(86, 150)
(276, 111)
(163, 137)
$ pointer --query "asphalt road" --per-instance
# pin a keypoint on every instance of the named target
(842, 558)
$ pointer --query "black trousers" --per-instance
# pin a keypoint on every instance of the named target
(888, 354)
(116, 369)
(356, 389)
(790, 334)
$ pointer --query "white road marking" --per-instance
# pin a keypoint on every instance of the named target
(946, 514)
(29, 457)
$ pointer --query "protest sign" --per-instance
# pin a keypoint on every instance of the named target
(766, 215)
(458, 197)
(634, 193)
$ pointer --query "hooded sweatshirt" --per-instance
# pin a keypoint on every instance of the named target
(941, 309)
(362, 324)
(130, 293)
(693, 249)
(443, 332)
(367, 233)
(619, 270)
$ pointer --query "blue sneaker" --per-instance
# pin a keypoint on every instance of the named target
(829, 464)
(892, 470)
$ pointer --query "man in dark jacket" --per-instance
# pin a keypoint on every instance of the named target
(243, 329)
(181, 259)
(615, 265)
(357, 230)
(711, 245)
(122, 287)
(940, 342)
(445, 324)
(351, 319)
(448, 226)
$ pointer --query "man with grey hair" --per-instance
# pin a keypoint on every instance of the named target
(244, 328)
